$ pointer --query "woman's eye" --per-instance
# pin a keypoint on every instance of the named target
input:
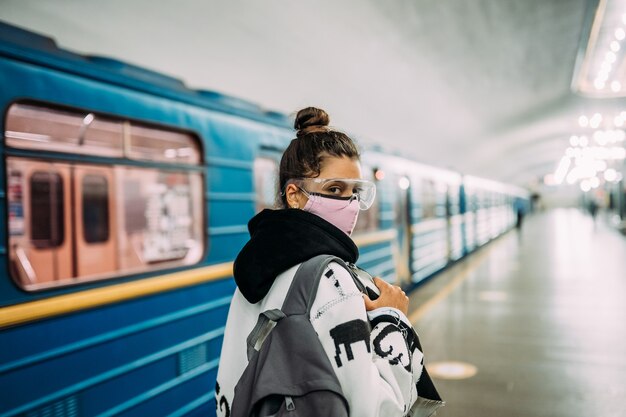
(335, 190)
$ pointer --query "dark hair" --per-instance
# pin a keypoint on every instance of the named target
(314, 141)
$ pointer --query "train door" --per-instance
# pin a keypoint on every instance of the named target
(403, 225)
(94, 238)
(40, 212)
(60, 220)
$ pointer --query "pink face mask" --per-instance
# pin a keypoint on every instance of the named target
(339, 211)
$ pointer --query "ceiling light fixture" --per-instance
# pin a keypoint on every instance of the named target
(601, 55)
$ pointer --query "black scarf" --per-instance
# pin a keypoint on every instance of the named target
(280, 239)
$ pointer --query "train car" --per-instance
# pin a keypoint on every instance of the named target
(492, 209)
(126, 197)
(419, 209)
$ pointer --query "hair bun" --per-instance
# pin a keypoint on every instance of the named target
(310, 120)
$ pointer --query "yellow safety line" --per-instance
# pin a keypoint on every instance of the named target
(472, 264)
(63, 304)
(49, 307)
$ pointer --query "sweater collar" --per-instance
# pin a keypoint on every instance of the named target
(280, 239)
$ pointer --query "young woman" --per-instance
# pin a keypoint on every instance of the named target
(321, 195)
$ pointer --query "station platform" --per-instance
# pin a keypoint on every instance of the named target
(532, 324)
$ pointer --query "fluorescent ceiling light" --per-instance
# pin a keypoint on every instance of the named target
(601, 68)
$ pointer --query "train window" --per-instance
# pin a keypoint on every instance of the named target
(46, 206)
(152, 144)
(40, 127)
(71, 222)
(265, 182)
(103, 137)
(95, 205)
(126, 220)
(29, 126)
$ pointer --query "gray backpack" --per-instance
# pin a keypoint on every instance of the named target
(288, 372)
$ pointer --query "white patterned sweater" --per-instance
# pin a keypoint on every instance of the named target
(378, 370)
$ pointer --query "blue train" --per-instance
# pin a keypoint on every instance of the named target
(125, 200)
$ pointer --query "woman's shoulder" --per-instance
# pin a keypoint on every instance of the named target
(335, 280)
(341, 271)
(279, 289)
(336, 289)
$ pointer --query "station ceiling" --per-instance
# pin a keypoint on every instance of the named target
(480, 86)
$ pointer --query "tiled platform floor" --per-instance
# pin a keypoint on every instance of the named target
(541, 313)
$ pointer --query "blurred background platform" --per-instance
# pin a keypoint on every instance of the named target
(538, 315)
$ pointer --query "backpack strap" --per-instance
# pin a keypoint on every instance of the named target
(303, 289)
(299, 298)
(264, 325)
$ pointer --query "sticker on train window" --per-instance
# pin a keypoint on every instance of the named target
(15, 188)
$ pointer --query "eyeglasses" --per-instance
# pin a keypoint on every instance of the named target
(341, 188)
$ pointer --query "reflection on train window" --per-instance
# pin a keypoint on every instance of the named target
(43, 127)
(46, 206)
(95, 209)
(265, 182)
(151, 144)
(368, 220)
(71, 222)
(102, 137)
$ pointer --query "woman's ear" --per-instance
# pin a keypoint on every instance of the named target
(291, 195)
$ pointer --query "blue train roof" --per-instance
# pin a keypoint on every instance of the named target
(31, 47)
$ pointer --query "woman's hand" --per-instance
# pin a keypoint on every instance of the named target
(390, 296)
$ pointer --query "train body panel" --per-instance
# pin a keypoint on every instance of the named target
(126, 198)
